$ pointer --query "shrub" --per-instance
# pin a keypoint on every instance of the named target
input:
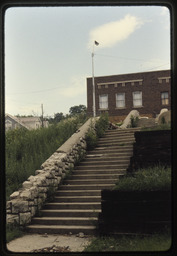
(150, 179)
(93, 134)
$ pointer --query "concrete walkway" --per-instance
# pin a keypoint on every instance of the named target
(49, 243)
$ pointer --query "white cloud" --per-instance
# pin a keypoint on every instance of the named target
(77, 87)
(111, 33)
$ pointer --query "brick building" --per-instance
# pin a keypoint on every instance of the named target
(147, 92)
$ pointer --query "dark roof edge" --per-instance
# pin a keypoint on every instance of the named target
(132, 73)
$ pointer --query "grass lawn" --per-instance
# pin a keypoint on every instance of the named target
(154, 242)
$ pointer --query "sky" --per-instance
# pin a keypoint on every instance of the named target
(48, 51)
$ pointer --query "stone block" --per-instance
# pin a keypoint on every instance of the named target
(25, 218)
(26, 194)
(27, 184)
(12, 219)
(19, 206)
(14, 195)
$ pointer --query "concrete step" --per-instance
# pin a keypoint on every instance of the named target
(81, 221)
(61, 229)
(116, 143)
(91, 181)
(87, 187)
(116, 138)
(122, 131)
(77, 199)
(65, 205)
(95, 176)
(105, 162)
(78, 193)
(109, 156)
(101, 171)
(100, 167)
(70, 213)
(117, 135)
(116, 149)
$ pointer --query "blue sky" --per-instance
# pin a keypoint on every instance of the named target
(48, 51)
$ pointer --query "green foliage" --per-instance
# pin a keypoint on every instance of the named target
(93, 134)
(150, 179)
(101, 125)
(91, 139)
(133, 121)
(13, 231)
(77, 110)
(164, 126)
(27, 150)
(155, 242)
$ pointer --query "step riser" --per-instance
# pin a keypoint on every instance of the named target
(86, 187)
(78, 193)
(103, 150)
(113, 171)
(64, 222)
(72, 207)
(101, 167)
(70, 214)
(122, 161)
(85, 182)
(107, 158)
(78, 200)
(50, 230)
(117, 139)
(118, 144)
(97, 177)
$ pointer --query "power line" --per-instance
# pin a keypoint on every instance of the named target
(39, 91)
(125, 58)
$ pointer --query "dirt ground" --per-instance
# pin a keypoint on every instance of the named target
(49, 243)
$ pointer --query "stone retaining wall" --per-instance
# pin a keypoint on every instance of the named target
(28, 200)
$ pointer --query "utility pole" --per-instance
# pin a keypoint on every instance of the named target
(42, 117)
(93, 80)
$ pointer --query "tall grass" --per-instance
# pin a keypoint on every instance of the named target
(149, 179)
(27, 150)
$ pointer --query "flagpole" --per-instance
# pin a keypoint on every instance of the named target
(93, 83)
(93, 79)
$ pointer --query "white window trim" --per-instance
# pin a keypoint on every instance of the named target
(138, 106)
(101, 95)
(117, 107)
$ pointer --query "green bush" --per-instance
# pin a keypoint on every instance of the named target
(93, 134)
(150, 179)
(27, 150)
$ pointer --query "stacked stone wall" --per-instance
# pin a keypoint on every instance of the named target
(29, 199)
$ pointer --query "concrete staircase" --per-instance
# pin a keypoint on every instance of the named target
(146, 122)
(78, 201)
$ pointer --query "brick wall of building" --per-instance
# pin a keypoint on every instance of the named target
(150, 84)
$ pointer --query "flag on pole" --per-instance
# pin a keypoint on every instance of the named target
(96, 43)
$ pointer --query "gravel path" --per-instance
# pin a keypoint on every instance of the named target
(49, 243)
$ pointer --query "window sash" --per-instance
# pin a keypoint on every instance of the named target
(137, 99)
(103, 101)
(164, 98)
(120, 100)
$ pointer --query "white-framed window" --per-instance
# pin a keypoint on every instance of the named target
(120, 100)
(103, 101)
(164, 98)
(137, 99)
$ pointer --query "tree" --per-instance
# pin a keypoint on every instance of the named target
(77, 109)
(58, 117)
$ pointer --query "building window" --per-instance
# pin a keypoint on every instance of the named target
(103, 101)
(120, 100)
(137, 99)
(164, 98)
